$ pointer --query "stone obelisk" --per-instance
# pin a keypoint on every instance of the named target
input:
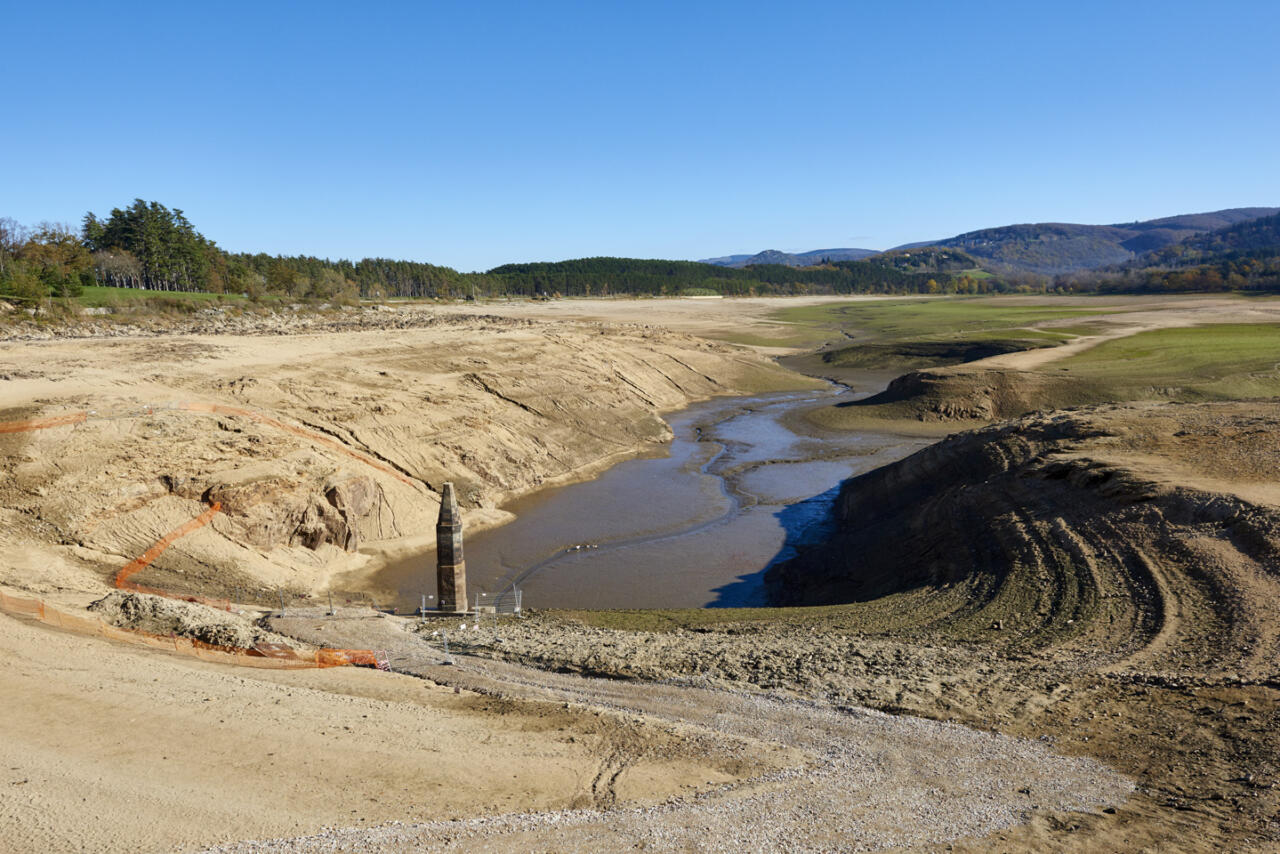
(451, 569)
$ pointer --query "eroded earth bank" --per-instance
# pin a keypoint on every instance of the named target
(325, 451)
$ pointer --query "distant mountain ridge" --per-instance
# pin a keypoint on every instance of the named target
(791, 259)
(1050, 248)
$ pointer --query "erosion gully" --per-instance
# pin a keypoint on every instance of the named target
(744, 483)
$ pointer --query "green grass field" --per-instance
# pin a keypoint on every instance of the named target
(1218, 362)
(99, 296)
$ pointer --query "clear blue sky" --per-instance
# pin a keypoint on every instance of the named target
(474, 134)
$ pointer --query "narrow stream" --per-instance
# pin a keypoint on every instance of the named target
(738, 491)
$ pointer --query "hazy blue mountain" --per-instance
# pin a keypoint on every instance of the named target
(725, 260)
(791, 259)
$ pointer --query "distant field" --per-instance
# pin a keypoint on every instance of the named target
(1217, 362)
(904, 335)
(973, 319)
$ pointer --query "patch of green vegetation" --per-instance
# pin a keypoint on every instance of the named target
(1077, 330)
(799, 337)
(97, 296)
(1216, 362)
(976, 319)
(905, 335)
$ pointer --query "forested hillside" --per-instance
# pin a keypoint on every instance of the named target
(1058, 248)
(151, 247)
(1261, 234)
(602, 276)
(1241, 257)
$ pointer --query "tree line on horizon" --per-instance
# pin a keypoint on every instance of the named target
(151, 247)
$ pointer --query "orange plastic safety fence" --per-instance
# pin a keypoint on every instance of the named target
(138, 564)
(275, 658)
(43, 423)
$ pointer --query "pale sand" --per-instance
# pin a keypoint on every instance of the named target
(104, 747)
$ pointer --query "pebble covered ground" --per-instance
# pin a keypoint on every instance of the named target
(874, 781)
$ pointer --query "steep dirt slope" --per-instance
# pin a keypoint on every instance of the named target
(1114, 575)
(1047, 518)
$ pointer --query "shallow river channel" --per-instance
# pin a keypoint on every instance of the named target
(738, 491)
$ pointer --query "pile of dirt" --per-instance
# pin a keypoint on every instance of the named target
(161, 616)
(971, 394)
(1050, 513)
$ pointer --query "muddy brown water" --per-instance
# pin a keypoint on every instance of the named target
(738, 490)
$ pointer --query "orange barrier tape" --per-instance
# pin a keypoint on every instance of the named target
(138, 564)
(43, 423)
(280, 658)
(272, 657)
(319, 438)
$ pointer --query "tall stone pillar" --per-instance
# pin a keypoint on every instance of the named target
(451, 569)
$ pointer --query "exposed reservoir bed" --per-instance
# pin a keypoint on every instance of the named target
(739, 489)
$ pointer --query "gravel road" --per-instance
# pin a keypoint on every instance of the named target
(873, 780)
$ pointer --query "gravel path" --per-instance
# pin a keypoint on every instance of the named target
(875, 780)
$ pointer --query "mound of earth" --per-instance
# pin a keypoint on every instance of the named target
(960, 394)
(162, 616)
(1149, 535)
